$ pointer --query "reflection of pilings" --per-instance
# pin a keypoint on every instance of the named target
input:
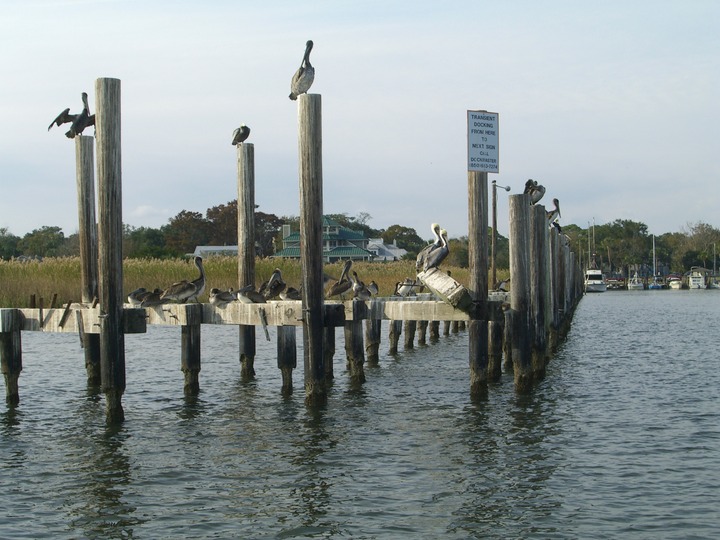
(109, 168)
(311, 205)
(87, 234)
(286, 356)
(246, 248)
(11, 353)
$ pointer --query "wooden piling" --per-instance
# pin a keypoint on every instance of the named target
(394, 335)
(434, 330)
(87, 233)
(190, 350)
(521, 330)
(11, 353)
(109, 173)
(329, 352)
(409, 330)
(311, 252)
(246, 249)
(496, 328)
(373, 328)
(478, 280)
(354, 347)
(422, 332)
(539, 288)
(286, 356)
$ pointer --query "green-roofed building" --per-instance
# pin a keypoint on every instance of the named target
(339, 243)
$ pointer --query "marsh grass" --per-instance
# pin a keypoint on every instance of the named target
(61, 276)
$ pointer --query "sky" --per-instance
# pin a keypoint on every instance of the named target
(612, 106)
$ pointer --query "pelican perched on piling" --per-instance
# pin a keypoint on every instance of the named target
(221, 298)
(424, 252)
(186, 291)
(554, 214)
(151, 298)
(343, 284)
(291, 293)
(272, 288)
(360, 291)
(79, 121)
(405, 287)
(135, 297)
(535, 190)
(240, 134)
(373, 288)
(304, 76)
(437, 255)
(248, 295)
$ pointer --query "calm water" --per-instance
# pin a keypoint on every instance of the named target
(621, 440)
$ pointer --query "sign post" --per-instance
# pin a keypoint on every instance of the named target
(483, 154)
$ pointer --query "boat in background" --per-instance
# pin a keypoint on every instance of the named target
(594, 281)
(635, 283)
(654, 285)
(674, 281)
(696, 278)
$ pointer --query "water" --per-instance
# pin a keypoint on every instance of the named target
(622, 439)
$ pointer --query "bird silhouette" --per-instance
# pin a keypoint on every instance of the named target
(240, 134)
(78, 121)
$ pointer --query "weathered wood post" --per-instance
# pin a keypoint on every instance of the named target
(478, 280)
(246, 248)
(539, 291)
(329, 351)
(422, 332)
(409, 329)
(373, 327)
(354, 342)
(190, 349)
(11, 353)
(496, 327)
(87, 233)
(394, 335)
(286, 356)
(521, 332)
(434, 330)
(109, 172)
(555, 288)
(311, 249)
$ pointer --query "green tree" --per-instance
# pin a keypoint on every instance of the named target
(406, 238)
(45, 242)
(223, 224)
(145, 242)
(185, 231)
(8, 244)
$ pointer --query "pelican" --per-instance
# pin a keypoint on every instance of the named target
(405, 287)
(274, 285)
(360, 291)
(220, 298)
(502, 285)
(240, 134)
(342, 285)
(424, 252)
(186, 291)
(436, 256)
(373, 288)
(151, 298)
(304, 76)
(554, 214)
(79, 121)
(248, 295)
(535, 191)
(291, 293)
(135, 297)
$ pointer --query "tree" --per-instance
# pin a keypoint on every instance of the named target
(223, 224)
(145, 242)
(45, 242)
(8, 244)
(185, 231)
(406, 238)
(266, 229)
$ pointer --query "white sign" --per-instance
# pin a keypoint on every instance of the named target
(483, 152)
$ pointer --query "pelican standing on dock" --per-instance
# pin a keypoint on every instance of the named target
(274, 285)
(186, 291)
(436, 256)
(304, 76)
(220, 298)
(343, 284)
(79, 121)
(240, 134)
(424, 252)
(248, 295)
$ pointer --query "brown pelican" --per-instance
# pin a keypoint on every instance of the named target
(373, 288)
(360, 291)
(240, 134)
(79, 121)
(248, 295)
(291, 293)
(274, 285)
(220, 298)
(554, 214)
(186, 291)
(342, 285)
(151, 298)
(424, 252)
(135, 298)
(304, 76)
(502, 285)
(436, 256)
(405, 287)
(535, 191)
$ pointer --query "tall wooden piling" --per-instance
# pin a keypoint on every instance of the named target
(329, 352)
(109, 172)
(87, 233)
(478, 280)
(373, 328)
(286, 356)
(11, 353)
(521, 331)
(539, 288)
(246, 248)
(190, 349)
(311, 252)
(355, 349)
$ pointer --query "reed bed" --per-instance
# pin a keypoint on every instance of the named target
(19, 280)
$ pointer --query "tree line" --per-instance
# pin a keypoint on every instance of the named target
(615, 247)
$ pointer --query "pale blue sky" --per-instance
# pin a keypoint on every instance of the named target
(611, 105)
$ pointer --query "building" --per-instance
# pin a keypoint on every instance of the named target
(385, 252)
(339, 243)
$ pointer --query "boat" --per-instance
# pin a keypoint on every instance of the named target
(655, 284)
(696, 278)
(674, 282)
(635, 283)
(594, 281)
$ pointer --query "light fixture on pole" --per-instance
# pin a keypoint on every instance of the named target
(494, 230)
